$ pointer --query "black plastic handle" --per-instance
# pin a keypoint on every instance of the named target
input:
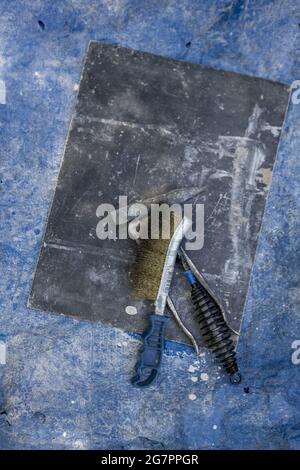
(149, 362)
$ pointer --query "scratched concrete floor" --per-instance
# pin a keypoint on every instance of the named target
(65, 383)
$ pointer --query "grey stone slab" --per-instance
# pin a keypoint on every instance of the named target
(145, 125)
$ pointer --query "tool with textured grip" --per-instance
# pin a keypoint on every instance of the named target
(152, 278)
(150, 356)
(215, 333)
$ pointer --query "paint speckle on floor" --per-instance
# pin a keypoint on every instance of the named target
(204, 376)
(131, 310)
(192, 396)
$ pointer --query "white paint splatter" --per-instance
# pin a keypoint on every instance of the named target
(131, 310)
(275, 130)
(192, 369)
(248, 157)
(131, 125)
(257, 161)
(220, 174)
(215, 426)
(194, 379)
(2, 92)
(204, 376)
(2, 353)
(253, 121)
(192, 396)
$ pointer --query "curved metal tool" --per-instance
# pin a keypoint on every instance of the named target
(149, 361)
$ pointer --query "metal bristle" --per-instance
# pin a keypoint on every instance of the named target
(149, 264)
(148, 268)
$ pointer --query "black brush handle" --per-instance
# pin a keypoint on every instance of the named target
(149, 361)
(215, 333)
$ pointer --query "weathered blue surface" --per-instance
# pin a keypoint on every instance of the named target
(65, 383)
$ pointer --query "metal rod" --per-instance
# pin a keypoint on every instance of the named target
(181, 324)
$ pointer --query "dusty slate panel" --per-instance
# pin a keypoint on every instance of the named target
(146, 125)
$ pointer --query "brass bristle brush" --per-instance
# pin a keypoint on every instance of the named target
(151, 278)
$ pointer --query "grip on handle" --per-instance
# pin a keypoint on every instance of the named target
(150, 355)
(214, 329)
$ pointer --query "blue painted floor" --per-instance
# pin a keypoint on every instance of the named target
(65, 384)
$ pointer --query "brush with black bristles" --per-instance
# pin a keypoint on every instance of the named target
(151, 277)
